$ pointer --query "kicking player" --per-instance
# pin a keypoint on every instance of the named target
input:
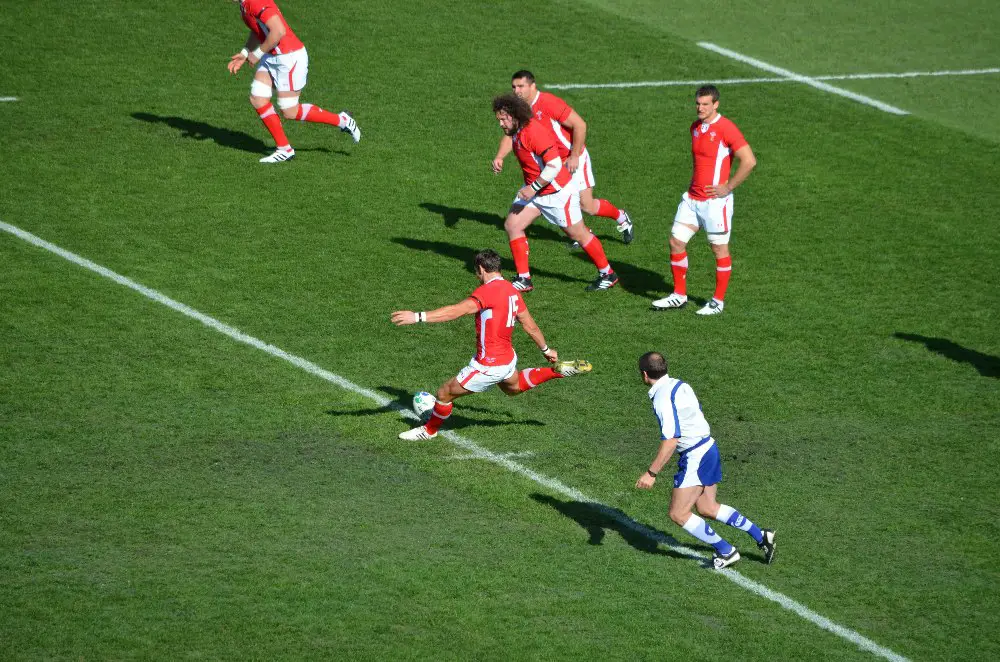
(699, 470)
(280, 57)
(708, 202)
(572, 131)
(549, 191)
(497, 307)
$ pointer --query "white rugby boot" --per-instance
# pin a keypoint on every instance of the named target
(720, 561)
(671, 302)
(417, 434)
(348, 125)
(713, 307)
(279, 156)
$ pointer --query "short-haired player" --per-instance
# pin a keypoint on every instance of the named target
(498, 308)
(708, 202)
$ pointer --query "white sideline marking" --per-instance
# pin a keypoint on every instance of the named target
(8, 98)
(819, 85)
(473, 456)
(471, 447)
(743, 81)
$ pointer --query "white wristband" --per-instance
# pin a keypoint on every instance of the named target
(544, 349)
(245, 53)
(257, 53)
(421, 317)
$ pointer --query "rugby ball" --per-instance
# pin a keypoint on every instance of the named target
(423, 403)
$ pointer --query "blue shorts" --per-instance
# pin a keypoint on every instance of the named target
(701, 465)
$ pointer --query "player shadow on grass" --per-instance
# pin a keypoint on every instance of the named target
(597, 519)
(404, 402)
(467, 255)
(987, 364)
(452, 215)
(223, 137)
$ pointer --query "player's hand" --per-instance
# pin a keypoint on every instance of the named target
(404, 317)
(718, 190)
(645, 482)
(572, 163)
(497, 166)
(253, 59)
(551, 355)
(526, 193)
(235, 62)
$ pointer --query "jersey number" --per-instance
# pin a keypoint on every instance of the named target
(511, 310)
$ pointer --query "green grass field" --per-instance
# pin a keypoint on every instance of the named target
(167, 492)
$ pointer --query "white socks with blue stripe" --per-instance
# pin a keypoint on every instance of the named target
(732, 517)
(700, 529)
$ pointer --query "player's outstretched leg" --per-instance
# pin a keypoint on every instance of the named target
(307, 112)
(605, 209)
(529, 378)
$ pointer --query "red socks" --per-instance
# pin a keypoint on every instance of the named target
(679, 269)
(595, 250)
(608, 210)
(723, 269)
(310, 113)
(532, 377)
(272, 122)
(442, 410)
(519, 249)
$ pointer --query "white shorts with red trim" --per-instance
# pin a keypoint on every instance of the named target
(288, 70)
(477, 377)
(715, 216)
(584, 175)
(561, 208)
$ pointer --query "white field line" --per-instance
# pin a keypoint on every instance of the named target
(8, 99)
(819, 85)
(473, 456)
(744, 81)
(465, 444)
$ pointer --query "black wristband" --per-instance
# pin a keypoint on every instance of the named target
(650, 473)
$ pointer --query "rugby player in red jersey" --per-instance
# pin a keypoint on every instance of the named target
(498, 307)
(282, 59)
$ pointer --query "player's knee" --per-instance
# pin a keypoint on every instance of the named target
(680, 235)
(709, 510)
(676, 245)
(289, 106)
(679, 517)
(260, 90)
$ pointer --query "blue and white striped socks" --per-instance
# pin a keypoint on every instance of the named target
(701, 530)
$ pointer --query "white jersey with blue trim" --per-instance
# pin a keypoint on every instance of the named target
(679, 412)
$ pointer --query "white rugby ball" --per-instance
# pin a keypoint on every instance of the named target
(423, 403)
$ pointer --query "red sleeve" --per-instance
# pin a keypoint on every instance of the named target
(733, 137)
(478, 297)
(539, 141)
(262, 9)
(555, 107)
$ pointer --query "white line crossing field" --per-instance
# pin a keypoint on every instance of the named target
(8, 99)
(502, 459)
(746, 81)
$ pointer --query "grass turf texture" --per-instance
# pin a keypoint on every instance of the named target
(169, 492)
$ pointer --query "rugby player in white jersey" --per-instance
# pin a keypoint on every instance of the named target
(699, 468)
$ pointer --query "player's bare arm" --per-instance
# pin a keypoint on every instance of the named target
(648, 479)
(443, 314)
(747, 163)
(578, 129)
(505, 148)
(238, 60)
(527, 323)
(275, 33)
(544, 178)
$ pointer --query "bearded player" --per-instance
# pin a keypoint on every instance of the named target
(549, 191)
(572, 131)
(280, 59)
(498, 307)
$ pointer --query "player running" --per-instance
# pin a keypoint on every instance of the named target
(572, 131)
(549, 191)
(280, 57)
(699, 469)
(497, 307)
(708, 202)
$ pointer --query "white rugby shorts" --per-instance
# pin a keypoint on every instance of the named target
(715, 216)
(477, 377)
(584, 175)
(289, 71)
(561, 208)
